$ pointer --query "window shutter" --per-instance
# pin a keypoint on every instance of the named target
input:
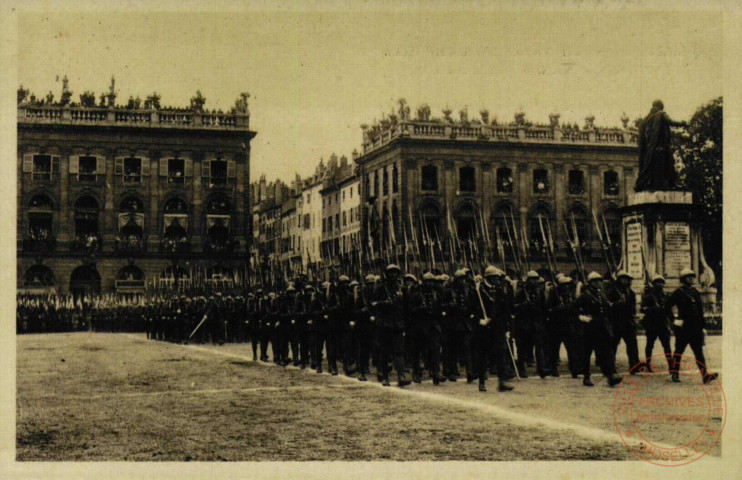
(145, 166)
(231, 169)
(55, 163)
(74, 164)
(118, 166)
(163, 167)
(100, 165)
(28, 163)
(188, 167)
(206, 169)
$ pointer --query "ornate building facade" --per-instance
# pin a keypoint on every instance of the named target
(121, 200)
(459, 179)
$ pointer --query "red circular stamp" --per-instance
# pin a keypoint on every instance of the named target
(665, 421)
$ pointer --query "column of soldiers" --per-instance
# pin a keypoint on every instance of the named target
(406, 328)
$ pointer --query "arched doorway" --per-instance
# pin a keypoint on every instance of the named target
(466, 223)
(130, 281)
(40, 223)
(131, 225)
(218, 216)
(85, 281)
(86, 222)
(38, 276)
(175, 238)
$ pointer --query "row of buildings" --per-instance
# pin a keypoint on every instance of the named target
(127, 199)
(452, 182)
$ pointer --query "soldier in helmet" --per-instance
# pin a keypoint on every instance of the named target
(493, 328)
(560, 326)
(656, 321)
(530, 325)
(390, 324)
(458, 312)
(623, 300)
(597, 333)
(687, 308)
(424, 308)
(365, 327)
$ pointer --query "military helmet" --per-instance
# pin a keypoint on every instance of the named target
(594, 276)
(392, 267)
(490, 270)
(290, 288)
(532, 274)
(344, 278)
(657, 277)
(624, 273)
(687, 272)
(410, 276)
(428, 276)
(459, 273)
(353, 283)
(444, 277)
(370, 278)
(308, 286)
(564, 279)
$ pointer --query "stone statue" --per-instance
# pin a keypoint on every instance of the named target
(656, 163)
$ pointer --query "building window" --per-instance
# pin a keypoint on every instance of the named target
(351, 192)
(610, 183)
(176, 170)
(467, 179)
(42, 167)
(345, 222)
(218, 172)
(337, 196)
(88, 169)
(538, 220)
(504, 180)
(376, 183)
(429, 178)
(540, 181)
(324, 225)
(337, 220)
(576, 182)
(132, 170)
(395, 179)
(343, 195)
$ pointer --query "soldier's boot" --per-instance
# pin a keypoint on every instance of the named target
(586, 381)
(482, 386)
(436, 380)
(385, 381)
(362, 377)
(648, 366)
(504, 387)
(710, 377)
(614, 380)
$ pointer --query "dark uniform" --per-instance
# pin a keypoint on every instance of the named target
(530, 326)
(688, 302)
(458, 315)
(561, 328)
(596, 334)
(656, 324)
(491, 338)
(390, 327)
(623, 300)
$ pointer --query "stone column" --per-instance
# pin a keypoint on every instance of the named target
(110, 225)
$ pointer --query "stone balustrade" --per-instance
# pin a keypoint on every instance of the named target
(503, 133)
(28, 114)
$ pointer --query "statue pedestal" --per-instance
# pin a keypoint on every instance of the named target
(661, 234)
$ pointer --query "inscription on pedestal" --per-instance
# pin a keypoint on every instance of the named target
(677, 248)
(635, 264)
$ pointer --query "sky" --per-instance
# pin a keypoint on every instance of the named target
(315, 77)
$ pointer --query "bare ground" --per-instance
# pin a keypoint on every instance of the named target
(95, 397)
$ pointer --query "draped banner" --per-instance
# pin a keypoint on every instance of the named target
(220, 220)
(175, 220)
(131, 219)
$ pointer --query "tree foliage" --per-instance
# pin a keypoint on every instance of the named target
(700, 148)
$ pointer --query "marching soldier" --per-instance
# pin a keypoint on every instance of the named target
(365, 328)
(656, 321)
(562, 318)
(423, 307)
(390, 324)
(689, 325)
(597, 334)
(530, 325)
(493, 328)
(623, 300)
(458, 311)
